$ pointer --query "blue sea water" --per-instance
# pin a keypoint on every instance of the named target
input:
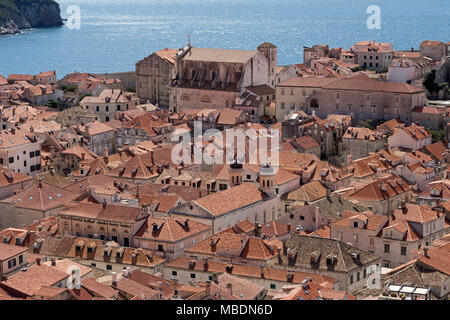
(115, 34)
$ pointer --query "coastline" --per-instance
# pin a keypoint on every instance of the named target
(16, 16)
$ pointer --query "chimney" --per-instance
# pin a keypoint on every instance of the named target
(257, 229)
(104, 204)
(284, 247)
(213, 244)
(40, 183)
(280, 261)
(289, 276)
(31, 129)
(261, 269)
(230, 289)
(379, 173)
(83, 156)
(207, 289)
(38, 261)
(289, 228)
(425, 252)
(349, 158)
(205, 263)
(13, 129)
(403, 204)
(114, 279)
(105, 151)
(305, 283)
(53, 260)
(186, 223)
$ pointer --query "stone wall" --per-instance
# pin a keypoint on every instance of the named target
(128, 78)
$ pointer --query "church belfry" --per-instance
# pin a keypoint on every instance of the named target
(235, 173)
(266, 178)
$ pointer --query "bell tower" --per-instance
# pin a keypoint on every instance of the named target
(235, 173)
(271, 52)
(266, 178)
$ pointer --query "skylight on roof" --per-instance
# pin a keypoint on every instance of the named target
(59, 195)
(50, 197)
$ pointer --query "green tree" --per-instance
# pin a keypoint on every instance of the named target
(429, 82)
(54, 104)
(436, 135)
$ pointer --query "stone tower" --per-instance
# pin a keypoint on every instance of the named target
(235, 172)
(266, 178)
(271, 52)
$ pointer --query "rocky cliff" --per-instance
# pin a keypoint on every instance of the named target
(25, 14)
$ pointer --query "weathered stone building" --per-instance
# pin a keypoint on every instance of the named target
(315, 52)
(433, 49)
(214, 78)
(153, 75)
(109, 103)
(367, 99)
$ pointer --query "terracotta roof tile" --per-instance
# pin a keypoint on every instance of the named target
(250, 271)
(42, 198)
(170, 229)
(231, 199)
(30, 281)
(237, 245)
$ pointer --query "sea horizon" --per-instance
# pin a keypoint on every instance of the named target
(114, 34)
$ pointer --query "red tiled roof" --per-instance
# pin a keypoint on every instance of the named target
(306, 142)
(30, 281)
(238, 245)
(231, 199)
(8, 251)
(9, 177)
(307, 82)
(373, 86)
(170, 229)
(437, 150)
(437, 259)
(429, 110)
(250, 271)
(42, 198)
(98, 289)
(381, 189)
(99, 211)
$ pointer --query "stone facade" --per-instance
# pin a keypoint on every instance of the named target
(153, 75)
(109, 103)
(315, 52)
(292, 95)
(433, 49)
(214, 78)
(368, 99)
